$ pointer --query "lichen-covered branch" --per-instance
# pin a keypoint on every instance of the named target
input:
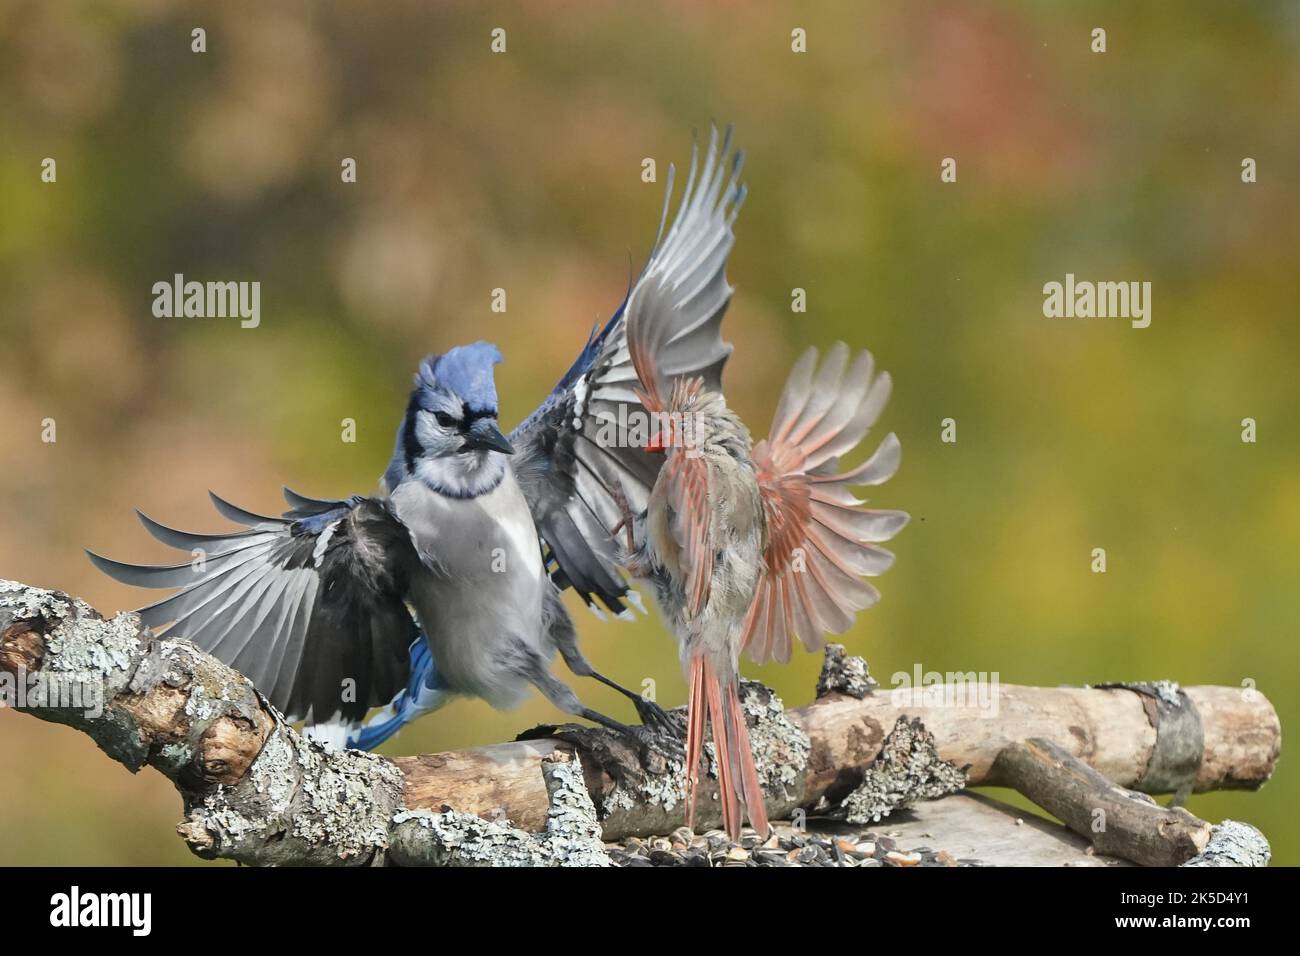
(1233, 843)
(816, 755)
(844, 674)
(453, 838)
(908, 769)
(256, 791)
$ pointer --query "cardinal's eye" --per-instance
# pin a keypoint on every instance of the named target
(445, 420)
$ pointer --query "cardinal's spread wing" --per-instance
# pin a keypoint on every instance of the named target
(579, 455)
(820, 541)
(309, 607)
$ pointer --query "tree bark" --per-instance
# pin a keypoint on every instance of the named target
(1109, 729)
(1118, 821)
(254, 790)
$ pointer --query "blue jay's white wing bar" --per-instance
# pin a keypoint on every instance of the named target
(574, 458)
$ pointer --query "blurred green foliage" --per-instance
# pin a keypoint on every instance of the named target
(522, 171)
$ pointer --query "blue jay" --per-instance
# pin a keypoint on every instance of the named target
(448, 580)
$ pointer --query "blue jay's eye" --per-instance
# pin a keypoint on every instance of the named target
(445, 420)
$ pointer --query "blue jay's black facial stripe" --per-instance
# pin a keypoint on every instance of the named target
(410, 444)
(419, 402)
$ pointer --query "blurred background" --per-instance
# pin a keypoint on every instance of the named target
(522, 170)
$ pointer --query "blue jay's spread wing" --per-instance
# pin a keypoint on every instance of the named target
(298, 604)
(819, 541)
(578, 458)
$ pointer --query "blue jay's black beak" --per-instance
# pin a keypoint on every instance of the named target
(483, 435)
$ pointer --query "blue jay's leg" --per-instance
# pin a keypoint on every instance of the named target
(528, 663)
(423, 693)
(565, 639)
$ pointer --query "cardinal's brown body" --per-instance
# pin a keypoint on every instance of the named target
(750, 546)
(702, 537)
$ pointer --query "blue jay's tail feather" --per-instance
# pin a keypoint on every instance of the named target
(380, 727)
(423, 693)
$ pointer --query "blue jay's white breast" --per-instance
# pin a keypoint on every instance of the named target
(481, 587)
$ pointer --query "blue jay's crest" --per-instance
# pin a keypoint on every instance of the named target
(467, 371)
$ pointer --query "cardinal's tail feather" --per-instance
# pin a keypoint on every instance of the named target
(723, 748)
(695, 712)
(738, 786)
(743, 753)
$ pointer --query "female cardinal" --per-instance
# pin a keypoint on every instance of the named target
(749, 547)
(744, 547)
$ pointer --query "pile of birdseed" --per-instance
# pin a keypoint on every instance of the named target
(783, 848)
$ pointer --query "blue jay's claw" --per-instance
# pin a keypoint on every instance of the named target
(661, 730)
(655, 717)
(665, 740)
(645, 739)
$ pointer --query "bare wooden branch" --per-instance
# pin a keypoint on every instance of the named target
(1119, 822)
(256, 791)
